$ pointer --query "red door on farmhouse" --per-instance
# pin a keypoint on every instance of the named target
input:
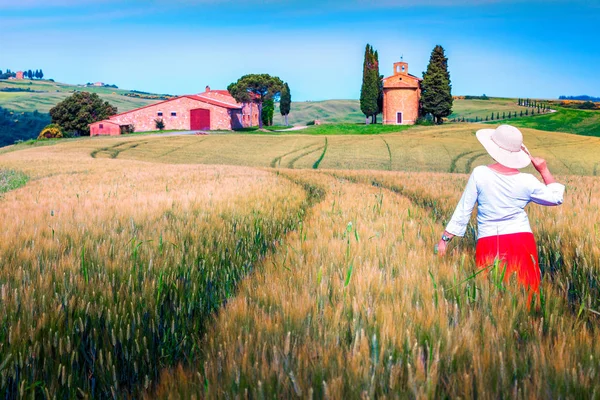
(200, 119)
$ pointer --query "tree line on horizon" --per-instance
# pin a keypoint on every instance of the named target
(436, 88)
(581, 98)
(29, 74)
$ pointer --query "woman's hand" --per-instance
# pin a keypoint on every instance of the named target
(542, 167)
(442, 246)
(539, 164)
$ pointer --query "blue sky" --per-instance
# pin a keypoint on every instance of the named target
(498, 47)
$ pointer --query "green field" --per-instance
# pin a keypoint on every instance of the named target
(581, 122)
(47, 94)
(329, 111)
(470, 109)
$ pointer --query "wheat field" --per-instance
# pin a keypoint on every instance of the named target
(451, 148)
(147, 267)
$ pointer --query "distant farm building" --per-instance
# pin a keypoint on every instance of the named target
(211, 110)
(19, 75)
(99, 84)
(401, 96)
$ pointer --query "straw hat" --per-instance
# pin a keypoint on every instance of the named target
(505, 145)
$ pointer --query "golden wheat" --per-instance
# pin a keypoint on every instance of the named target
(356, 305)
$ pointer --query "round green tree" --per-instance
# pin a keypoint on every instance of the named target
(78, 111)
(256, 88)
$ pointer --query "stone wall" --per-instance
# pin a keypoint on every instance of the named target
(401, 93)
(143, 119)
(104, 128)
(404, 100)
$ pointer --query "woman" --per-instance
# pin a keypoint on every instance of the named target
(502, 192)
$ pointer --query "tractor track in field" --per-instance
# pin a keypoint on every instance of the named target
(470, 161)
(318, 162)
(277, 160)
(291, 163)
(455, 160)
(180, 148)
(114, 151)
(425, 203)
(389, 153)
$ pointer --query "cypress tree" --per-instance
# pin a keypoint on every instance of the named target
(436, 95)
(521, 113)
(379, 88)
(503, 115)
(285, 103)
(369, 92)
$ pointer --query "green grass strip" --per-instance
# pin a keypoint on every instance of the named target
(11, 180)
(318, 162)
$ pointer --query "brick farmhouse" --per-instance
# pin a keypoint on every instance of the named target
(401, 96)
(211, 110)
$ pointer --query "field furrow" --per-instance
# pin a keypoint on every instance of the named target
(106, 279)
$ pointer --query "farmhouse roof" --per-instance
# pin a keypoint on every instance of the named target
(105, 121)
(195, 97)
(233, 105)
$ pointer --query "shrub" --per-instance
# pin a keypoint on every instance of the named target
(426, 121)
(160, 124)
(588, 105)
(310, 123)
(128, 129)
(483, 97)
(52, 131)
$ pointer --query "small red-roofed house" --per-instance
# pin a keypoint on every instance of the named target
(106, 127)
(19, 75)
(211, 110)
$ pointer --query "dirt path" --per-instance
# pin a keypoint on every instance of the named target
(295, 128)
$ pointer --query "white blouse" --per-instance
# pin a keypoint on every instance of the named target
(501, 202)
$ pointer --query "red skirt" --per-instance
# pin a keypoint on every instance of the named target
(517, 251)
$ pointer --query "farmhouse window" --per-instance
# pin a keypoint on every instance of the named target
(159, 113)
(101, 126)
(173, 114)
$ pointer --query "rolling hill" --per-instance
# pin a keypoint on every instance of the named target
(27, 95)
